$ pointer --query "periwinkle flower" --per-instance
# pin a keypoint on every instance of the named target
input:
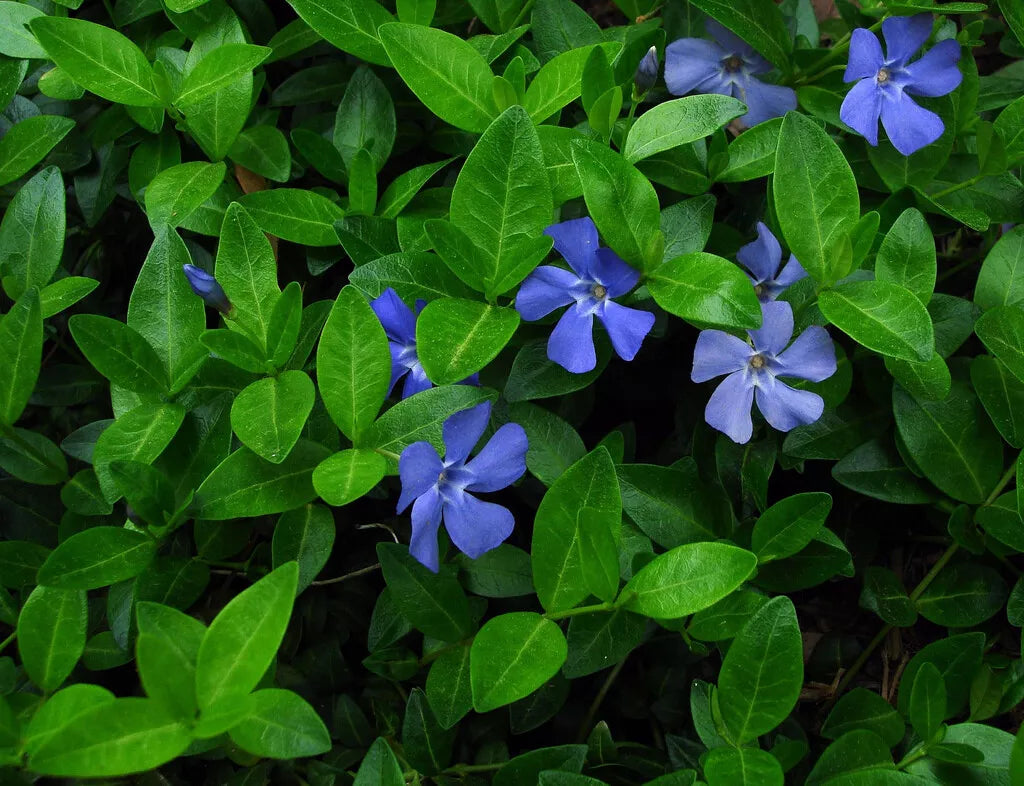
(726, 66)
(647, 71)
(753, 370)
(888, 82)
(399, 323)
(762, 257)
(597, 275)
(439, 490)
(208, 288)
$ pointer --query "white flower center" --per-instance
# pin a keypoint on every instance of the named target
(883, 76)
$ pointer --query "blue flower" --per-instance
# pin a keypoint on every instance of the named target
(207, 287)
(597, 275)
(754, 369)
(887, 82)
(762, 258)
(647, 71)
(438, 490)
(399, 324)
(726, 66)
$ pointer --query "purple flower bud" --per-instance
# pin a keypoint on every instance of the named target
(206, 286)
(647, 72)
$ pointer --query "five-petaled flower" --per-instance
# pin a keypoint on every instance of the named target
(753, 370)
(888, 82)
(597, 275)
(441, 488)
(208, 288)
(762, 257)
(399, 324)
(726, 66)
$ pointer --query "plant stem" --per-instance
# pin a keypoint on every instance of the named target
(956, 187)
(8, 640)
(595, 705)
(347, 576)
(560, 615)
(910, 758)
(466, 769)
(387, 454)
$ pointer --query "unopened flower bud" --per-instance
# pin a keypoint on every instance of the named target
(206, 286)
(647, 72)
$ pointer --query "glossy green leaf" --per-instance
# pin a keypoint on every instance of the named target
(881, 316)
(927, 701)
(28, 142)
(217, 69)
(268, 415)
(32, 231)
(559, 81)
(97, 557)
(350, 26)
(456, 337)
(365, 120)
(679, 122)
(789, 525)
(21, 349)
(448, 689)
(304, 535)
(433, 602)
(1001, 278)
(280, 724)
(165, 654)
(742, 767)
(178, 191)
(963, 595)
(759, 22)
(1001, 330)
(379, 767)
(295, 214)
(141, 434)
(120, 354)
(864, 709)
(348, 475)
(907, 255)
(51, 634)
(706, 290)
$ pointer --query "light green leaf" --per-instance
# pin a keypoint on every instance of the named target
(348, 475)
(21, 351)
(218, 69)
(351, 26)
(97, 557)
(679, 122)
(295, 214)
(28, 141)
(247, 270)
(268, 416)
(706, 290)
(32, 231)
(881, 316)
(178, 191)
(280, 724)
(789, 525)
(51, 634)
(455, 337)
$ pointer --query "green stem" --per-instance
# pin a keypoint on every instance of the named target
(387, 454)
(561, 615)
(595, 705)
(8, 640)
(347, 576)
(956, 187)
(522, 14)
(910, 758)
(466, 769)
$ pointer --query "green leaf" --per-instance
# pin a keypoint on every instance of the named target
(433, 602)
(165, 654)
(365, 120)
(963, 595)
(512, 656)
(1001, 278)
(51, 635)
(1002, 395)
(280, 724)
(929, 380)
(559, 558)
(952, 441)
(118, 737)
(815, 194)
(758, 22)
(535, 376)
(864, 709)
(447, 74)
(622, 202)
(425, 743)
(1001, 330)
(752, 153)
(27, 143)
(502, 202)
(724, 619)
(244, 636)
(762, 672)
(679, 122)
(742, 767)
(456, 337)
(218, 69)
(247, 271)
(60, 709)
(120, 354)
(264, 150)
(245, 485)
(927, 702)
(20, 560)
(350, 26)
(881, 316)
(294, 214)
(380, 767)
(598, 640)
(348, 475)
(63, 294)
(553, 445)
(907, 255)
(97, 557)
(32, 457)
(789, 525)
(234, 348)
(687, 579)
(32, 231)
(885, 595)
(404, 188)
(21, 351)
(268, 416)
(304, 535)
(706, 290)
(100, 59)
(178, 191)
(353, 364)
(559, 81)
(957, 658)
(16, 40)
(141, 434)
(448, 689)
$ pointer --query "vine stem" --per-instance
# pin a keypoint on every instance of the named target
(8, 640)
(595, 705)
(919, 590)
(347, 576)
(597, 607)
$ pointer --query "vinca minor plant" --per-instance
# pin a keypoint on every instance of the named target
(512, 392)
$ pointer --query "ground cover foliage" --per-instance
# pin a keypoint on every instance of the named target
(512, 392)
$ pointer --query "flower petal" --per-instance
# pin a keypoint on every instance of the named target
(418, 467)
(791, 273)
(463, 430)
(762, 256)
(398, 368)
(397, 318)
(728, 409)
(544, 290)
(904, 35)
(576, 241)
(613, 272)
(865, 55)
(764, 101)
(717, 353)
(416, 382)
(627, 328)
(861, 108)
(730, 43)
(935, 74)
(776, 327)
(812, 356)
(909, 126)
(572, 341)
(786, 408)
(690, 62)
(426, 518)
(502, 461)
(475, 526)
